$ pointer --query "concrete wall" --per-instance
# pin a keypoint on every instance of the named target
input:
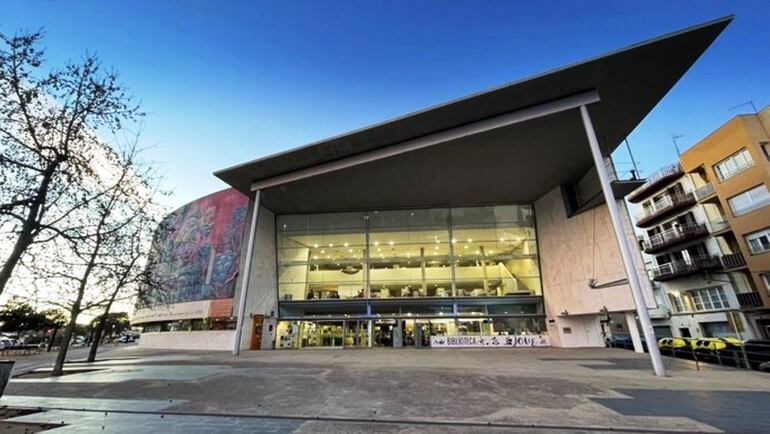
(573, 251)
(212, 340)
(262, 295)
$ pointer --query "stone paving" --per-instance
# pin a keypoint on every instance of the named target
(453, 390)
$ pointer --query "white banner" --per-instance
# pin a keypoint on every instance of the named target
(520, 341)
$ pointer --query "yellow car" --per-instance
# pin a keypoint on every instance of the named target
(716, 344)
(678, 344)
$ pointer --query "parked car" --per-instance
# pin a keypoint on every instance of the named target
(757, 351)
(126, 339)
(764, 367)
(677, 347)
(725, 351)
(6, 344)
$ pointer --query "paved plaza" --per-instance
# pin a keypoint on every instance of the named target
(469, 390)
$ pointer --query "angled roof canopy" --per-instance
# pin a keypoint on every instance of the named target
(513, 143)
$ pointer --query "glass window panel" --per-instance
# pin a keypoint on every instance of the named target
(324, 256)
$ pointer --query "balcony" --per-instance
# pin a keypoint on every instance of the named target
(733, 261)
(658, 179)
(674, 236)
(663, 207)
(682, 268)
(705, 191)
(718, 226)
(749, 299)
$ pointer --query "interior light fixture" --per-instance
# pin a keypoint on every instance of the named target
(346, 244)
(376, 243)
(315, 246)
(454, 241)
(390, 242)
(470, 240)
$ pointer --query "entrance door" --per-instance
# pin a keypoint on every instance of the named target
(355, 334)
(256, 332)
(382, 333)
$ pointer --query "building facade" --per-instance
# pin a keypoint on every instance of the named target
(706, 229)
(493, 220)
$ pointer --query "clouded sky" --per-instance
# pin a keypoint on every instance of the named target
(225, 82)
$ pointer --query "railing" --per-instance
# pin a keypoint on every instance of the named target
(674, 235)
(749, 299)
(664, 173)
(733, 260)
(705, 191)
(684, 267)
(663, 205)
(720, 225)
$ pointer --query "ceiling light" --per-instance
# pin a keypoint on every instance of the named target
(315, 245)
(376, 243)
(346, 244)
(470, 240)
(390, 242)
(454, 240)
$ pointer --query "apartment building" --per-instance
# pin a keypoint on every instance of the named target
(730, 170)
(705, 233)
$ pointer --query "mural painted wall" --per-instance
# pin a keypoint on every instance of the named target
(197, 250)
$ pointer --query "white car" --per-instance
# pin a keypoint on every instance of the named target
(6, 343)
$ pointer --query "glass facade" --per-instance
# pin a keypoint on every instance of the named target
(394, 278)
(422, 253)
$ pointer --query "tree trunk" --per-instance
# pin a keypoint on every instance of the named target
(58, 368)
(98, 334)
(53, 337)
(22, 243)
(31, 224)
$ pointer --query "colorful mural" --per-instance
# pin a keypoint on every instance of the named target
(197, 250)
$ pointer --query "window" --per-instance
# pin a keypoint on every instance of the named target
(766, 279)
(488, 251)
(759, 242)
(708, 298)
(750, 200)
(676, 303)
(765, 148)
(733, 165)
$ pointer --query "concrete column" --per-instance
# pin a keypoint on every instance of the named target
(246, 275)
(633, 330)
(625, 249)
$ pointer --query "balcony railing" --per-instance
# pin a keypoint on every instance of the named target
(657, 179)
(749, 299)
(705, 191)
(734, 260)
(683, 267)
(663, 206)
(674, 236)
(718, 225)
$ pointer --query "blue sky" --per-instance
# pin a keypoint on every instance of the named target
(226, 82)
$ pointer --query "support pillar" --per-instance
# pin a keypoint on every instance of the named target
(246, 275)
(633, 330)
(625, 249)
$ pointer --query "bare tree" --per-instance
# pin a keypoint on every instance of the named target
(48, 141)
(88, 266)
(127, 273)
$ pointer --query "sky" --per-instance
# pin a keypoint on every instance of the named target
(224, 82)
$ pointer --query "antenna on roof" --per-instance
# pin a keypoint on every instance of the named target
(756, 113)
(676, 145)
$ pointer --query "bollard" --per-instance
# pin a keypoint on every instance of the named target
(6, 367)
(695, 357)
(745, 357)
